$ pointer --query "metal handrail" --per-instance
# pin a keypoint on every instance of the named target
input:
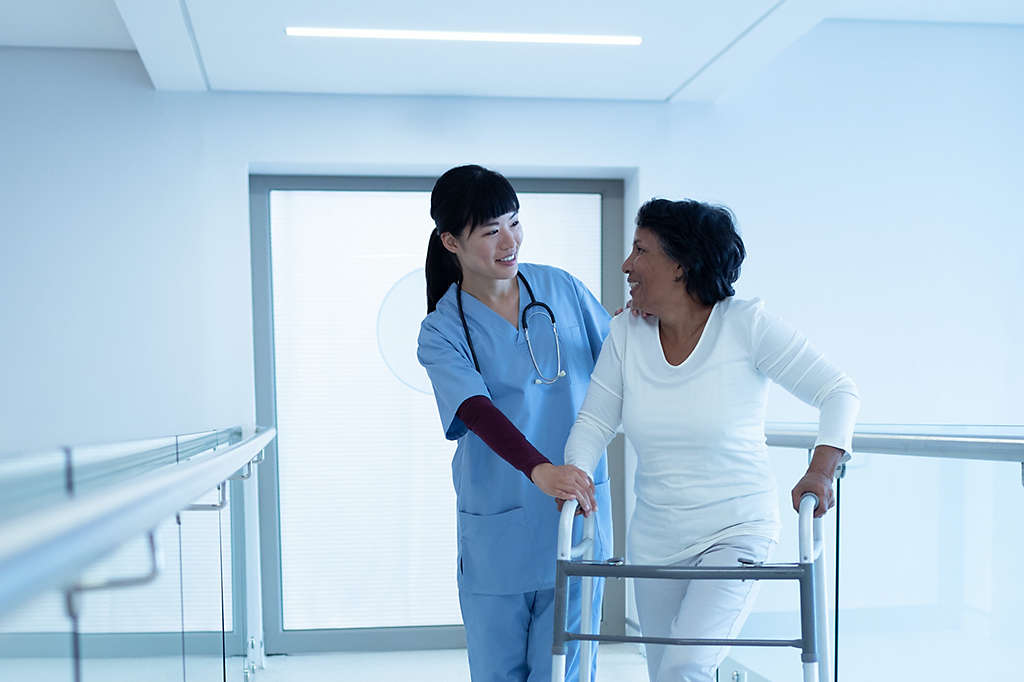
(51, 547)
(953, 442)
(30, 480)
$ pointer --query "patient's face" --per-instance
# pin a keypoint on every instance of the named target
(652, 275)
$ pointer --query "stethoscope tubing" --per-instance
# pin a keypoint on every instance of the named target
(534, 303)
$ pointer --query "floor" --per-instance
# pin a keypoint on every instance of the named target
(619, 662)
(950, 656)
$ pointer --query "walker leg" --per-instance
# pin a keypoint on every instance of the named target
(587, 601)
(586, 608)
(558, 645)
(821, 606)
(810, 608)
(558, 668)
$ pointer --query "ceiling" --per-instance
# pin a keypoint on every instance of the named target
(691, 50)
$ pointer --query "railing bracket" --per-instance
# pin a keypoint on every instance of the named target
(222, 500)
(155, 566)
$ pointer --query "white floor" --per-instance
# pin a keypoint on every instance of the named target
(954, 657)
(619, 662)
(616, 662)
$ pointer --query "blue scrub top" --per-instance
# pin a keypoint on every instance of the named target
(507, 527)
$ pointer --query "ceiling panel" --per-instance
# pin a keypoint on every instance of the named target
(240, 44)
(63, 23)
(243, 47)
(965, 11)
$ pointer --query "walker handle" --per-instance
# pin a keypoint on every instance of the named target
(808, 551)
(564, 551)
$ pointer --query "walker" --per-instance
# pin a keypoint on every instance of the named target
(810, 572)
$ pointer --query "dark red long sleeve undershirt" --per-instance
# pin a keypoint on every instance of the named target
(488, 422)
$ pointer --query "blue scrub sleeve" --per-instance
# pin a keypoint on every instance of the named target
(452, 375)
(595, 318)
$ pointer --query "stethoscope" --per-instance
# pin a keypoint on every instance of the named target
(534, 303)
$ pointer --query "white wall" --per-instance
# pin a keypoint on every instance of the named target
(873, 168)
(877, 172)
(126, 286)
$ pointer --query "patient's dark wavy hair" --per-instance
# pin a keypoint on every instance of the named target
(702, 239)
(463, 198)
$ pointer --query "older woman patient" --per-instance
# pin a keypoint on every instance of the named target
(689, 386)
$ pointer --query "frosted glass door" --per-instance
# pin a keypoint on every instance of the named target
(367, 507)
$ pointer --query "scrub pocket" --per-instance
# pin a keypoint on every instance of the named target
(497, 553)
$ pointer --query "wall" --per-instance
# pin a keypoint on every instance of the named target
(876, 171)
(872, 166)
(127, 305)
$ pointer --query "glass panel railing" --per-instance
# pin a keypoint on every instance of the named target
(124, 623)
(210, 639)
(36, 638)
(930, 556)
(929, 551)
(179, 625)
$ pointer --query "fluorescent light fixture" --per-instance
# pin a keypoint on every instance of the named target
(467, 36)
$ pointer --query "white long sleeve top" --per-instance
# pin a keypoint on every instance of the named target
(698, 428)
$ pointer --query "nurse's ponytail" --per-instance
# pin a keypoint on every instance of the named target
(464, 197)
(442, 270)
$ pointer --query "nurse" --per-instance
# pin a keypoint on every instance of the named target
(509, 348)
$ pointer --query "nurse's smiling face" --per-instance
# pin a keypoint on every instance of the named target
(489, 251)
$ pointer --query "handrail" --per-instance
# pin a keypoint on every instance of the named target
(53, 546)
(953, 442)
(92, 466)
(29, 480)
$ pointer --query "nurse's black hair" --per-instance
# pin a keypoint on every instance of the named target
(702, 239)
(464, 197)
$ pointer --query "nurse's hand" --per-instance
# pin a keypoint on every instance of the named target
(565, 482)
(635, 311)
(559, 502)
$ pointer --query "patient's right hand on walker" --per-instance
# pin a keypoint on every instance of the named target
(565, 482)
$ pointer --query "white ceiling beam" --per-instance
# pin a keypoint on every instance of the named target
(783, 22)
(162, 31)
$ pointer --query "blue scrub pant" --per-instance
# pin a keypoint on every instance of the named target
(509, 636)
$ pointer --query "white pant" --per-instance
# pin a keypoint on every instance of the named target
(697, 609)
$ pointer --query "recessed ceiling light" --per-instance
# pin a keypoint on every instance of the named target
(471, 36)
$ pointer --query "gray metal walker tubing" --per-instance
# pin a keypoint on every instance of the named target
(812, 607)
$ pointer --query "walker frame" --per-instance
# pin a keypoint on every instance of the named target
(809, 572)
